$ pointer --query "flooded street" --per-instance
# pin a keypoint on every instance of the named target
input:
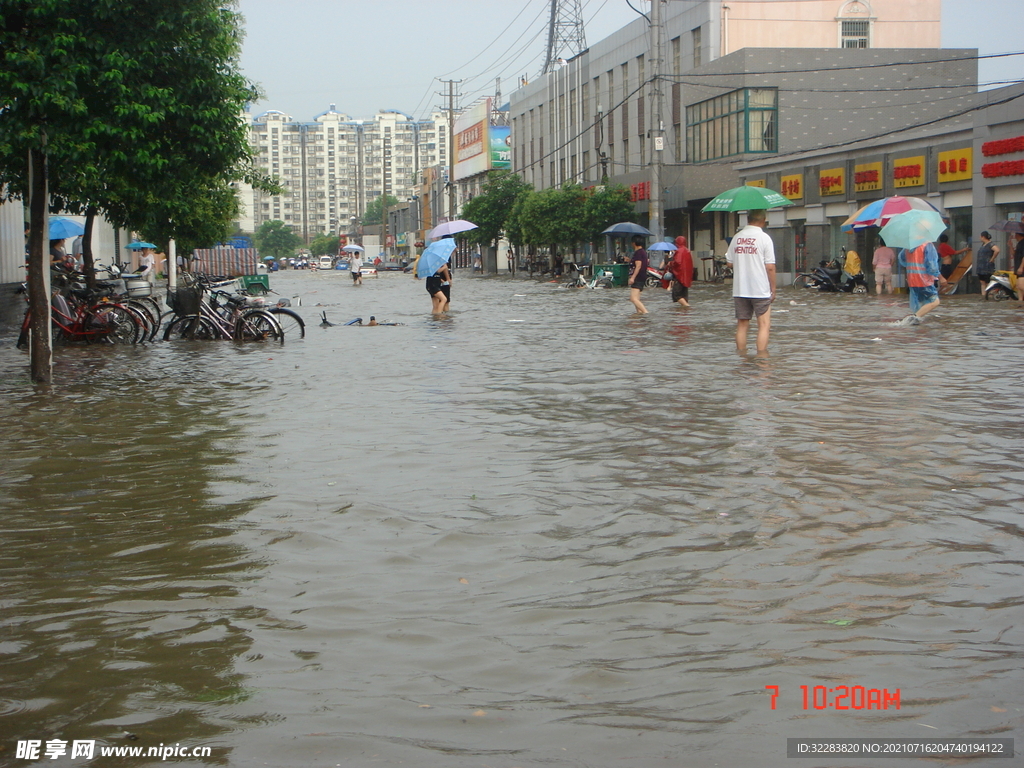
(540, 531)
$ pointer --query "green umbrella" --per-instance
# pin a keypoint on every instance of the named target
(747, 199)
(911, 229)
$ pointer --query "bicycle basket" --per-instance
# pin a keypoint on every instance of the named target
(185, 301)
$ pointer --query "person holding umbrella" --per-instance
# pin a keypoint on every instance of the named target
(915, 232)
(433, 265)
(752, 256)
(638, 276)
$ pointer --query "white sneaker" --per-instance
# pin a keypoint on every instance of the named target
(908, 320)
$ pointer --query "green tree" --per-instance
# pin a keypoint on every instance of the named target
(491, 209)
(554, 218)
(374, 214)
(122, 108)
(324, 245)
(603, 208)
(273, 238)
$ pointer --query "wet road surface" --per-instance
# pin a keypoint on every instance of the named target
(538, 531)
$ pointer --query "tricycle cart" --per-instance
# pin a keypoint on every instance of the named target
(254, 285)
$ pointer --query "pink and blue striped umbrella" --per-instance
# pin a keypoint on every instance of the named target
(878, 213)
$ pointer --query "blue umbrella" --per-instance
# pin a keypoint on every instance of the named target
(627, 228)
(137, 246)
(662, 246)
(434, 257)
(62, 228)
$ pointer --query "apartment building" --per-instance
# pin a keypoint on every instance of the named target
(334, 166)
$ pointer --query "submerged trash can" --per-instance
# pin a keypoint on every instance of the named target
(618, 272)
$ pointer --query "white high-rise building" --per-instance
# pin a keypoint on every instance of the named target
(335, 166)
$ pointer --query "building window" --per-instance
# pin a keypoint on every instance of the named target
(855, 33)
(732, 124)
(696, 46)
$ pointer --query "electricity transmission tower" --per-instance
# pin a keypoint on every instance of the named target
(565, 32)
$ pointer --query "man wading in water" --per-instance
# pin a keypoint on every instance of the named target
(752, 256)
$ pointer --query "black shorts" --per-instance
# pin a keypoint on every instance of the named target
(679, 291)
(946, 270)
(447, 291)
(640, 281)
(356, 274)
(433, 285)
(984, 277)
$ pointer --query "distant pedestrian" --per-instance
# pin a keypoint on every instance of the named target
(1018, 256)
(147, 265)
(922, 265)
(681, 268)
(478, 263)
(752, 256)
(355, 266)
(638, 275)
(882, 262)
(946, 254)
(985, 265)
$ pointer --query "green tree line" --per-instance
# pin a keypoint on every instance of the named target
(561, 220)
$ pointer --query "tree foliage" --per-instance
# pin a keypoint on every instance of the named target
(492, 208)
(373, 214)
(274, 238)
(137, 103)
(557, 219)
(324, 245)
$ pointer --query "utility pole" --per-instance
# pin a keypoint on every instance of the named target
(451, 146)
(656, 208)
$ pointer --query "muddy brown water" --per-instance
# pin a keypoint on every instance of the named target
(539, 531)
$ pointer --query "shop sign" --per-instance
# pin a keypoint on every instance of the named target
(641, 191)
(755, 183)
(908, 172)
(1003, 146)
(1004, 168)
(832, 181)
(867, 177)
(793, 186)
(955, 165)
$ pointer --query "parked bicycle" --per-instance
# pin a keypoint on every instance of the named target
(223, 316)
(79, 317)
(579, 280)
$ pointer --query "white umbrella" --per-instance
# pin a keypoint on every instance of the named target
(353, 249)
(451, 228)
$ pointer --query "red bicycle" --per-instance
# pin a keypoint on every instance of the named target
(103, 322)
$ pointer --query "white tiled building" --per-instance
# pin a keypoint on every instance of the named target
(335, 166)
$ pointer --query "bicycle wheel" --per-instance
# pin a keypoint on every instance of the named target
(117, 324)
(258, 325)
(291, 322)
(151, 321)
(155, 311)
(190, 327)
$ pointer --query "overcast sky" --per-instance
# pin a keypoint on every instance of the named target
(368, 55)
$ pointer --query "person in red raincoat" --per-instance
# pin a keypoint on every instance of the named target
(681, 267)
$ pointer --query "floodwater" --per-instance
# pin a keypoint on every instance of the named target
(541, 531)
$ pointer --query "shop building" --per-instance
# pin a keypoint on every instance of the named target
(970, 165)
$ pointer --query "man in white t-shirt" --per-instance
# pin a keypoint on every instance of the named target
(752, 255)
(355, 266)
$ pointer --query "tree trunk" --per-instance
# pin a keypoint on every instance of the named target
(40, 351)
(87, 260)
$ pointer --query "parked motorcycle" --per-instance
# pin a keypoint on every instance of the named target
(1000, 287)
(828, 278)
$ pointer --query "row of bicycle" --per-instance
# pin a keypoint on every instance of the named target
(120, 311)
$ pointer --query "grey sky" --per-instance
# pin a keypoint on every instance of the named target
(367, 55)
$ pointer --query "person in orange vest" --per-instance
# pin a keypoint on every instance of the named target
(922, 265)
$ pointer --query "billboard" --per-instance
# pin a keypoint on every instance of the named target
(471, 141)
(501, 147)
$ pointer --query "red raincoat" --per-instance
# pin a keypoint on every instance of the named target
(681, 265)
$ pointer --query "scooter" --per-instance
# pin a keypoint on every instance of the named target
(1000, 288)
(828, 278)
